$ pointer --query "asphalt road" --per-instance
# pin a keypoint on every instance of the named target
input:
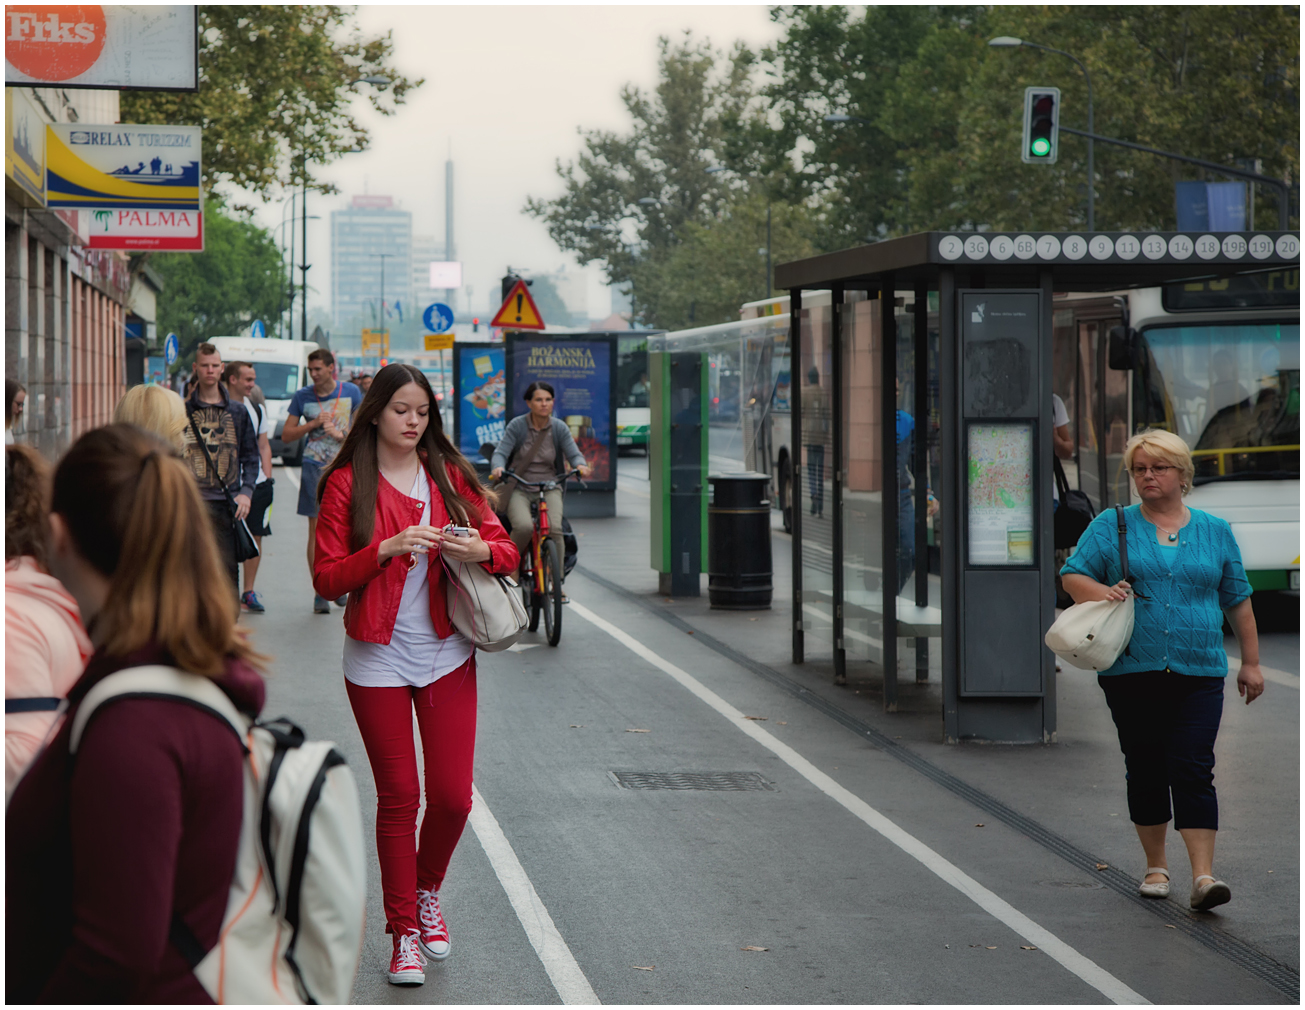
(864, 881)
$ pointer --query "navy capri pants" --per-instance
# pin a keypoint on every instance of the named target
(1167, 724)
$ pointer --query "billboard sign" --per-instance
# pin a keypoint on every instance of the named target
(122, 166)
(582, 372)
(137, 230)
(445, 275)
(142, 47)
(25, 145)
(479, 381)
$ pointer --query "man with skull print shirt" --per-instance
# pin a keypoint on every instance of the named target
(231, 444)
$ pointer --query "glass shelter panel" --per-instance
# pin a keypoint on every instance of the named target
(815, 487)
(863, 491)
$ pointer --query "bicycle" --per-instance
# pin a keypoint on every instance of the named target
(541, 566)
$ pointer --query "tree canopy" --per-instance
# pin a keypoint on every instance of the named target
(236, 279)
(939, 147)
(275, 88)
(633, 201)
(928, 137)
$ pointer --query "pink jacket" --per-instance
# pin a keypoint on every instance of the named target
(46, 649)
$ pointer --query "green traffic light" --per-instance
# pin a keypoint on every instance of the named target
(1042, 147)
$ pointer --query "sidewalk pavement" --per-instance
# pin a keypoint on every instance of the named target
(1074, 789)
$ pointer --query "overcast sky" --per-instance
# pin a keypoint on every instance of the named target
(507, 87)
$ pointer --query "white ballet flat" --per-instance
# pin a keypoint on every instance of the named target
(1160, 890)
(1206, 896)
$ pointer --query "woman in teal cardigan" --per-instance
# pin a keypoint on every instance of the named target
(1165, 691)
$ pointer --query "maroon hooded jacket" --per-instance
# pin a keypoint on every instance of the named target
(102, 850)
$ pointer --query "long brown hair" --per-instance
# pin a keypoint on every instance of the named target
(134, 512)
(434, 449)
(27, 504)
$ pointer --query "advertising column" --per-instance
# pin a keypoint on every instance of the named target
(582, 371)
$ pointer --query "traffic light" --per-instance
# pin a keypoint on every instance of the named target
(475, 325)
(508, 281)
(1041, 126)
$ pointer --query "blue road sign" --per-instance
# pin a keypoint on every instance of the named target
(171, 348)
(438, 318)
(257, 331)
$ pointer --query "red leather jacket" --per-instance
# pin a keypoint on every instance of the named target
(375, 587)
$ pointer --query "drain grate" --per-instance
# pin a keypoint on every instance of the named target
(718, 782)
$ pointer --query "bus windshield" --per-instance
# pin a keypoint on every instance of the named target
(1231, 392)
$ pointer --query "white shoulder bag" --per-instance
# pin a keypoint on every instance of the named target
(1092, 635)
(485, 608)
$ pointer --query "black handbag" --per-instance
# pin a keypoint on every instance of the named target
(1075, 511)
(246, 545)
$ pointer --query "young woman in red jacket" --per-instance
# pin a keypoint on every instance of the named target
(387, 505)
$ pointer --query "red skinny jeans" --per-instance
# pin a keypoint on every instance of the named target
(446, 720)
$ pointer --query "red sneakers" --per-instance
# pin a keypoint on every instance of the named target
(407, 964)
(433, 935)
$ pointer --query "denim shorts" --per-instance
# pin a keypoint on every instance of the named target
(309, 474)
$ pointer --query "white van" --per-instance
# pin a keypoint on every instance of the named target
(282, 370)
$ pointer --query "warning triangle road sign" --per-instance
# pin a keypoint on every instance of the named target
(519, 311)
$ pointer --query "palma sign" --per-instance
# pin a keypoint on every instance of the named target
(147, 230)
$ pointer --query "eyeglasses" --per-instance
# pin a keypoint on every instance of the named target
(1159, 471)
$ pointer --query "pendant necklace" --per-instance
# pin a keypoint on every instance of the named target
(1173, 534)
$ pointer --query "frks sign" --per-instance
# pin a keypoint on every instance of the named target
(89, 46)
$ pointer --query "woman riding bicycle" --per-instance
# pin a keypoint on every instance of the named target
(538, 447)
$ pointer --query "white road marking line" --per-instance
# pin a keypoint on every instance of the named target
(1086, 969)
(556, 956)
(292, 474)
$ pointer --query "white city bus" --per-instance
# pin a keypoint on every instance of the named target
(1217, 363)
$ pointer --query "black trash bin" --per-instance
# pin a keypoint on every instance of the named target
(738, 542)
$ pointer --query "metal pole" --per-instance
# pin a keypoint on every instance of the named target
(768, 288)
(835, 470)
(796, 467)
(951, 492)
(303, 293)
(891, 493)
(1092, 173)
(1092, 178)
(290, 322)
(1238, 173)
(921, 466)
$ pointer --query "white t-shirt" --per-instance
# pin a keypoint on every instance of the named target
(416, 656)
(1059, 417)
(265, 428)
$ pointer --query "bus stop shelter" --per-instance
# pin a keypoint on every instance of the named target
(977, 309)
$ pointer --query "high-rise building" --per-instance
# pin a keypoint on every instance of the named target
(371, 242)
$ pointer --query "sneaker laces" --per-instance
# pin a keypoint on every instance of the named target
(428, 910)
(408, 955)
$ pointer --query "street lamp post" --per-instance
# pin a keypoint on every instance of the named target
(378, 81)
(381, 325)
(1010, 42)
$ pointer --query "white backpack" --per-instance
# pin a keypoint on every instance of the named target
(293, 928)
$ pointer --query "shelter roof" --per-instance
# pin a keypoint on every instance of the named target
(1078, 261)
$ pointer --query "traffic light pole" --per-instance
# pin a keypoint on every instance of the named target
(1240, 173)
